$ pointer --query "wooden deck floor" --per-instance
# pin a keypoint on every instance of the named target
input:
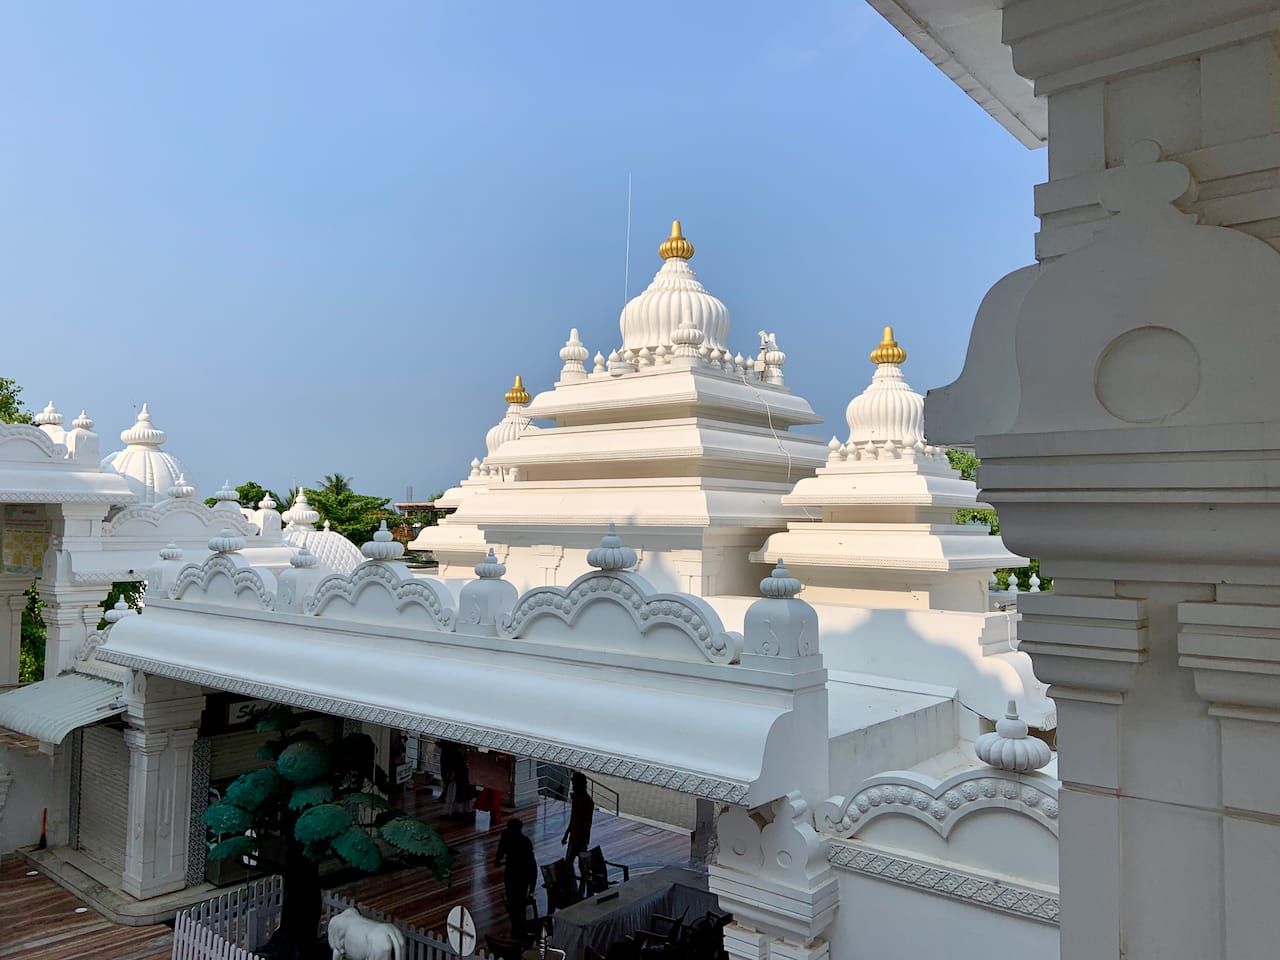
(414, 896)
(38, 919)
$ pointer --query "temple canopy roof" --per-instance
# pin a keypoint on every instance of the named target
(148, 470)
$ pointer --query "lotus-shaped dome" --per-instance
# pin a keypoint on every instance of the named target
(148, 470)
(1010, 747)
(651, 319)
(888, 409)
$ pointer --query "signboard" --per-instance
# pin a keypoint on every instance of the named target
(404, 773)
(25, 538)
(242, 711)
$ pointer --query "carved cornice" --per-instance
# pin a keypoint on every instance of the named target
(627, 768)
(942, 804)
(647, 609)
(243, 578)
(46, 495)
(410, 592)
(978, 891)
(106, 576)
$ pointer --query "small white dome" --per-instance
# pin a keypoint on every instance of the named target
(515, 422)
(888, 409)
(651, 319)
(148, 470)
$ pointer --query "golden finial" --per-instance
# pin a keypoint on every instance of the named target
(888, 351)
(676, 245)
(517, 393)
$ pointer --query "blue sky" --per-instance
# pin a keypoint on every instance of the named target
(323, 237)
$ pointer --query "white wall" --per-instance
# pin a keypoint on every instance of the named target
(29, 794)
(882, 920)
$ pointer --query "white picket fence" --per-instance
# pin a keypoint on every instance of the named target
(421, 944)
(231, 925)
(194, 942)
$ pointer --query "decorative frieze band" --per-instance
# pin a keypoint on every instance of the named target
(979, 891)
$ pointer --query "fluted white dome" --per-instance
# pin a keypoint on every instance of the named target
(515, 422)
(888, 409)
(148, 470)
(651, 319)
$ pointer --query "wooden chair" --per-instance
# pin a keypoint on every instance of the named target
(595, 871)
(561, 887)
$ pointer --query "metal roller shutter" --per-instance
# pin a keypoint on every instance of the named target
(104, 796)
(232, 754)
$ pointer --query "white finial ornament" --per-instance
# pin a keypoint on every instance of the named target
(82, 422)
(301, 515)
(779, 584)
(687, 338)
(490, 568)
(48, 417)
(227, 493)
(267, 502)
(304, 559)
(182, 490)
(227, 541)
(598, 363)
(573, 353)
(171, 551)
(117, 613)
(1010, 747)
(888, 409)
(383, 546)
(142, 433)
(612, 554)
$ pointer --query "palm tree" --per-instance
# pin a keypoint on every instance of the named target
(336, 483)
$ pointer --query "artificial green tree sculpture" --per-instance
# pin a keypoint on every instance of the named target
(308, 800)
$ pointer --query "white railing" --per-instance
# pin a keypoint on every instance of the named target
(231, 925)
(422, 944)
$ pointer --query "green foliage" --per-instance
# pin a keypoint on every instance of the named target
(305, 762)
(415, 837)
(225, 817)
(250, 494)
(322, 822)
(356, 516)
(310, 796)
(968, 464)
(238, 846)
(31, 652)
(256, 789)
(358, 849)
(130, 591)
(10, 408)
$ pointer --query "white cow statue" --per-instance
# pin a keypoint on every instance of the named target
(353, 937)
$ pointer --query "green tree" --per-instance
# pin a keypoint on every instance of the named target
(354, 515)
(968, 464)
(31, 651)
(249, 493)
(11, 410)
(309, 804)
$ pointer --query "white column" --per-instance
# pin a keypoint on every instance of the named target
(13, 601)
(164, 717)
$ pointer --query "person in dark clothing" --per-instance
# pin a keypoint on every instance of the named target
(577, 835)
(520, 875)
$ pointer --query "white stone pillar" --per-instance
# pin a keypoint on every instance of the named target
(1127, 441)
(13, 600)
(164, 717)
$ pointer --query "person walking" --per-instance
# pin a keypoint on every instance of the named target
(577, 835)
(519, 875)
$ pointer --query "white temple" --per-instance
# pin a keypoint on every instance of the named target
(869, 731)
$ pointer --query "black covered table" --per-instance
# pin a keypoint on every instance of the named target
(604, 919)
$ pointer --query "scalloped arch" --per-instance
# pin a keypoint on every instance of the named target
(163, 513)
(244, 580)
(690, 615)
(21, 434)
(405, 593)
(942, 804)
